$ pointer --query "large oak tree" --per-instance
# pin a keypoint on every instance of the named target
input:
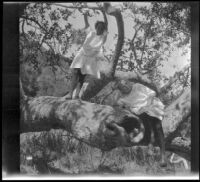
(95, 121)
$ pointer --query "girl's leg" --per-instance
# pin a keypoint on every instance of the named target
(73, 83)
(83, 88)
(83, 85)
(161, 140)
(78, 86)
(81, 78)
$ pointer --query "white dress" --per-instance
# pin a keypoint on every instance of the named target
(87, 57)
(142, 99)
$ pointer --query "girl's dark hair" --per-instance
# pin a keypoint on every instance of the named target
(100, 27)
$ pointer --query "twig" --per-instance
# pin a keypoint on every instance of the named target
(74, 7)
(145, 39)
(35, 21)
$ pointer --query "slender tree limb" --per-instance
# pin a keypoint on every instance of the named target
(104, 17)
(22, 27)
(136, 77)
(86, 20)
(145, 39)
(181, 147)
(143, 79)
(74, 7)
(132, 46)
(49, 45)
(36, 22)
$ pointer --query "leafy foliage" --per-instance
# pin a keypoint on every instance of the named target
(158, 29)
(157, 32)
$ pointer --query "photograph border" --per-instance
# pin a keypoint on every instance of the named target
(11, 95)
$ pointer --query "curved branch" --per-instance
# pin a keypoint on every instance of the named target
(113, 11)
(49, 46)
(137, 77)
(132, 46)
(23, 32)
(145, 39)
(180, 147)
(74, 7)
(104, 17)
(36, 22)
(86, 20)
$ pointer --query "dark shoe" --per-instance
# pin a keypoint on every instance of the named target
(163, 164)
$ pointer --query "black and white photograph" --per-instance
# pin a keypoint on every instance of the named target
(105, 90)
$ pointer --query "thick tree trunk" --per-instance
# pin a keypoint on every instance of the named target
(103, 126)
(94, 124)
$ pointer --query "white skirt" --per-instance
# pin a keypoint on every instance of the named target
(87, 63)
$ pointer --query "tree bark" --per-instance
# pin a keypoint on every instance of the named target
(103, 126)
(94, 124)
(176, 112)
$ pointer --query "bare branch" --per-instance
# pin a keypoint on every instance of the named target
(132, 46)
(137, 77)
(105, 17)
(36, 22)
(86, 20)
(74, 7)
(145, 39)
(23, 32)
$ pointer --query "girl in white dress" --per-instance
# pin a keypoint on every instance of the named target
(85, 62)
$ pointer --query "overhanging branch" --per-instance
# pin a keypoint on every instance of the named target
(76, 7)
(36, 22)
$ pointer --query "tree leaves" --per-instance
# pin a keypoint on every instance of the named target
(158, 29)
(162, 29)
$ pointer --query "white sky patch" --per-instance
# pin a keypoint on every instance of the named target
(175, 63)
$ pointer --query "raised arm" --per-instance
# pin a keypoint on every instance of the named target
(87, 28)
